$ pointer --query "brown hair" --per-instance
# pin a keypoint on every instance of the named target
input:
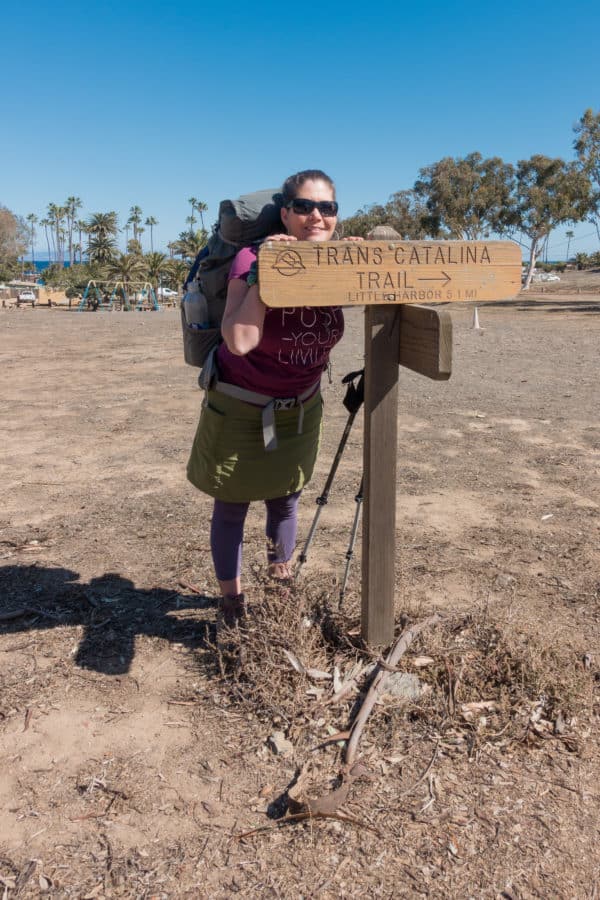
(292, 185)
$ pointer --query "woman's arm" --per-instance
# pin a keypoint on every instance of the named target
(244, 317)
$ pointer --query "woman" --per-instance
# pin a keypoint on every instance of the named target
(260, 425)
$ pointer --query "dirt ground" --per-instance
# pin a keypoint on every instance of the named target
(130, 768)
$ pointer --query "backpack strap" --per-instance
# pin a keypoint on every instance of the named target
(196, 265)
(209, 371)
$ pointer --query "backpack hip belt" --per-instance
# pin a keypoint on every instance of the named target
(209, 380)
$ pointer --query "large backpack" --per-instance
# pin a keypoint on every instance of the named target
(242, 222)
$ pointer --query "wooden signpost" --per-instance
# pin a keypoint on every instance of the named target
(426, 341)
(392, 279)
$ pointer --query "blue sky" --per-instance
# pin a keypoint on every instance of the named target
(134, 103)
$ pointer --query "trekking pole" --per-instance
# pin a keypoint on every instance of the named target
(350, 550)
(352, 401)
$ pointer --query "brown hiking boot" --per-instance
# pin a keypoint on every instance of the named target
(231, 614)
(232, 608)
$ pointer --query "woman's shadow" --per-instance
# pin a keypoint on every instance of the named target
(111, 610)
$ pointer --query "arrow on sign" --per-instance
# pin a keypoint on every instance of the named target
(445, 278)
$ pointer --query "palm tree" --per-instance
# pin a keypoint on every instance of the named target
(135, 219)
(190, 243)
(81, 228)
(51, 217)
(126, 267)
(32, 219)
(151, 222)
(157, 264)
(72, 205)
(201, 208)
(134, 247)
(102, 248)
(103, 224)
(56, 215)
(177, 272)
(192, 201)
(569, 235)
(102, 237)
(46, 225)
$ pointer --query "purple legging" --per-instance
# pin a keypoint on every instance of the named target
(227, 533)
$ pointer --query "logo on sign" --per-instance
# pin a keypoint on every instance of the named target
(288, 262)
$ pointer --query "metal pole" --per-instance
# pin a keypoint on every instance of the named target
(321, 501)
(350, 550)
(352, 401)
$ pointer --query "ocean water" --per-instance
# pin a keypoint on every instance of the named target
(41, 264)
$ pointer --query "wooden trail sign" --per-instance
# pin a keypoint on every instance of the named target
(426, 341)
(361, 273)
(386, 277)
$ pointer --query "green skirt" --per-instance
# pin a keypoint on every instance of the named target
(229, 461)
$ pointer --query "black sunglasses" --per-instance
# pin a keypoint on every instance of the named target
(302, 207)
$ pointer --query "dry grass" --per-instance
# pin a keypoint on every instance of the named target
(487, 680)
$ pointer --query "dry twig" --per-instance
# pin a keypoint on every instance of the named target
(424, 775)
(304, 817)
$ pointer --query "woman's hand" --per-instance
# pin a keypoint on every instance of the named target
(280, 237)
(350, 238)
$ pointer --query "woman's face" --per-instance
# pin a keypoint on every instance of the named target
(312, 226)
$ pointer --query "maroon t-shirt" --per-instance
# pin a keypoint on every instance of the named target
(293, 351)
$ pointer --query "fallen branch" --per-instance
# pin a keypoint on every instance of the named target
(28, 611)
(299, 802)
(14, 614)
(190, 587)
(397, 651)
